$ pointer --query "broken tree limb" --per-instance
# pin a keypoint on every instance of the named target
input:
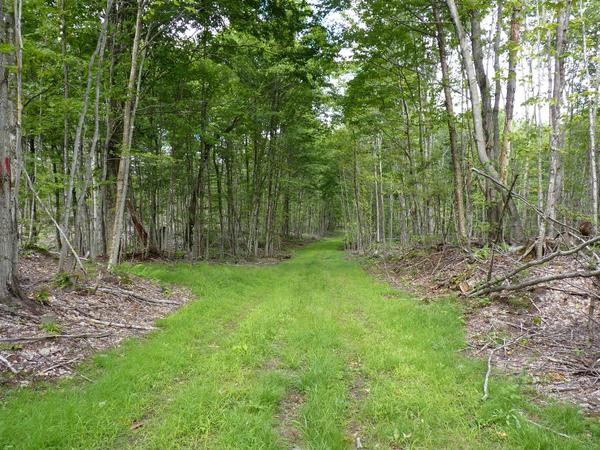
(540, 280)
(486, 380)
(539, 425)
(53, 336)
(60, 364)
(7, 363)
(117, 324)
(47, 211)
(538, 211)
(126, 293)
(484, 288)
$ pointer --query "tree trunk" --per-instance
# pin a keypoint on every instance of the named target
(592, 101)
(511, 87)
(456, 162)
(9, 287)
(555, 116)
(478, 123)
(128, 121)
(78, 136)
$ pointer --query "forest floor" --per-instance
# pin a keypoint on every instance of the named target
(309, 353)
(74, 316)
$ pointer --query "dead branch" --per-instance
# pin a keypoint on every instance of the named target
(486, 380)
(7, 363)
(538, 211)
(117, 324)
(540, 280)
(54, 336)
(485, 288)
(123, 292)
(60, 364)
(558, 433)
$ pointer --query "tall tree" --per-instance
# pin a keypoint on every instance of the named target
(128, 122)
(10, 104)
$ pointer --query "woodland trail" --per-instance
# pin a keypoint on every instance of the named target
(309, 353)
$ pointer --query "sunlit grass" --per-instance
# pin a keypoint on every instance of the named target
(215, 376)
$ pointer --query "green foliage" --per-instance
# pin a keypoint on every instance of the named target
(64, 280)
(42, 295)
(123, 277)
(51, 326)
(519, 301)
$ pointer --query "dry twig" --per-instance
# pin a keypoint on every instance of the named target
(7, 363)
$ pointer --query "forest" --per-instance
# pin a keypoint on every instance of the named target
(135, 132)
(217, 129)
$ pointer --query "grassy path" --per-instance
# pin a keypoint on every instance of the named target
(310, 353)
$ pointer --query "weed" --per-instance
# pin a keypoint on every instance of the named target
(10, 346)
(42, 295)
(519, 301)
(51, 327)
(124, 278)
(63, 280)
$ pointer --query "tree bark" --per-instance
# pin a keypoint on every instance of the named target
(454, 150)
(9, 287)
(513, 44)
(555, 116)
(128, 121)
(78, 137)
(591, 84)
(477, 112)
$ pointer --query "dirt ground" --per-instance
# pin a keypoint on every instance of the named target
(549, 333)
(74, 317)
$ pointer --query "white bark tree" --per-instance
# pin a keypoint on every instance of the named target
(558, 77)
(78, 136)
(128, 122)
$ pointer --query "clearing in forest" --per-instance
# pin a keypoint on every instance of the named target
(309, 353)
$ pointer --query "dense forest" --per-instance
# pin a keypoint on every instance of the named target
(219, 129)
(299, 224)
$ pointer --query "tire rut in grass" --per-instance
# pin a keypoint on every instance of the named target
(288, 418)
(358, 392)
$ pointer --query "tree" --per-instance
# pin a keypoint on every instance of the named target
(10, 105)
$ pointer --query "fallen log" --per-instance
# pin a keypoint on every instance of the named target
(536, 281)
(117, 324)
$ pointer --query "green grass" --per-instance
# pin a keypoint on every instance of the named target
(316, 328)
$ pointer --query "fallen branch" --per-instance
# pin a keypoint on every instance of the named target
(7, 363)
(539, 425)
(60, 364)
(117, 324)
(486, 380)
(54, 336)
(536, 281)
(124, 292)
(538, 211)
(484, 288)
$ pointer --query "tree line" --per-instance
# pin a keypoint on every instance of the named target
(219, 129)
(470, 121)
(181, 128)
